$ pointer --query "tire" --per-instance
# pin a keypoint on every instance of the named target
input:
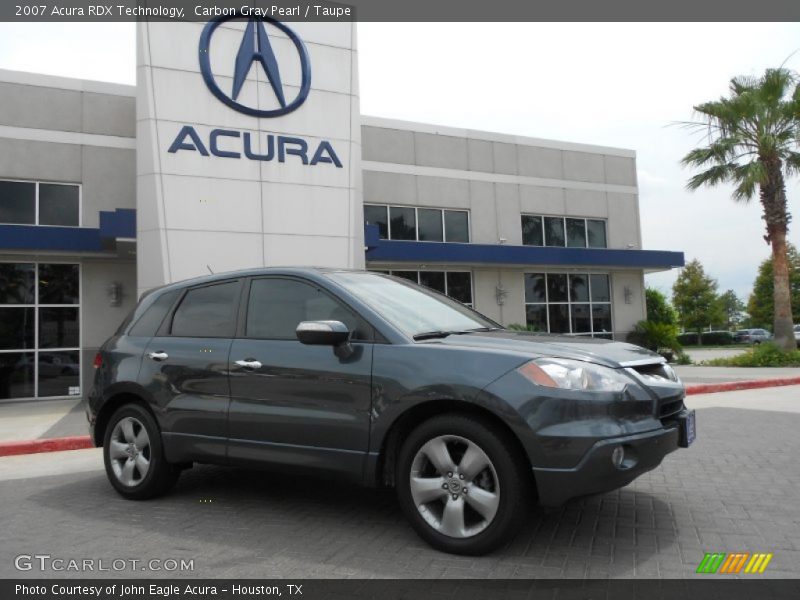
(133, 454)
(448, 518)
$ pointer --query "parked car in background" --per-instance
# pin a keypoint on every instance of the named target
(374, 379)
(753, 336)
(797, 333)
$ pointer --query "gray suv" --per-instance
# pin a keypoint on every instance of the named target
(378, 381)
(752, 336)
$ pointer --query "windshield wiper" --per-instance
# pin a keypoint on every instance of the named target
(429, 335)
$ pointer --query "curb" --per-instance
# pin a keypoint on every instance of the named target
(78, 442)
(81, 442)
(733, 386)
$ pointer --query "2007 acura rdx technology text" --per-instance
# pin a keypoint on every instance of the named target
(381, 382)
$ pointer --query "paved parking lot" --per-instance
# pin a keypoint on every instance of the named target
(737, 489)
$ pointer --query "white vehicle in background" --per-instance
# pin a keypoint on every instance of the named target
(754, 336)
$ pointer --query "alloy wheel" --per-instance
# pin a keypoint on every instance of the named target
(454, 486)
(129, 451)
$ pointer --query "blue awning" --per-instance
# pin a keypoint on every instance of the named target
(114, 225)
(379, 250)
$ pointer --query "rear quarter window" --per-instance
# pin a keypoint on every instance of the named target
(152, 317)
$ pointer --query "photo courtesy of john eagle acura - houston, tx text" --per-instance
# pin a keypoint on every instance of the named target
(273, 280)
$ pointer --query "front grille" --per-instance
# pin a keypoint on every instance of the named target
(652, 370)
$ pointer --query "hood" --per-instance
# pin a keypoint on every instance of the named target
(604, 352)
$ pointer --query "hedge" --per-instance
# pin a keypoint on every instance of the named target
(710, 338)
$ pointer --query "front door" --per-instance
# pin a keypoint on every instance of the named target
(294, 404)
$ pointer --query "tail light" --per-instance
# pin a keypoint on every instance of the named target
(98, 361)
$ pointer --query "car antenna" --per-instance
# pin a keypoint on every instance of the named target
(209, 269)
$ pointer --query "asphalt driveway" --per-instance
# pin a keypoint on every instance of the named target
(735, 490)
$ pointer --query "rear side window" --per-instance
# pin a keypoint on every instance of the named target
(208, 311)
(148, 323)
(277, 306)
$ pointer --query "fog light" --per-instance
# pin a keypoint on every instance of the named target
(617, 456)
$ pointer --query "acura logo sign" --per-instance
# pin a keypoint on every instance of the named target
(256, 48)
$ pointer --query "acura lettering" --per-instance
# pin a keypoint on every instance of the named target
(229, 143)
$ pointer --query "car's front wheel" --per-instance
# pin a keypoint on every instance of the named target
(134, 455)
(462, 484)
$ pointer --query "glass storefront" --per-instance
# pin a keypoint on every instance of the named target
(39, 330)
(575, 303)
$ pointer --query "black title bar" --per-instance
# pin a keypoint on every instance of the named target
(393, 589)
(405, 10)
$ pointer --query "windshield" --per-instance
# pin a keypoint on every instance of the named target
(412, 308)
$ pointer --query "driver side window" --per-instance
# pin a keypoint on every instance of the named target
(276, 306)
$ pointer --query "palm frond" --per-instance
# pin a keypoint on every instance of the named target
(757, 123)
(748, 178)
(713, 176)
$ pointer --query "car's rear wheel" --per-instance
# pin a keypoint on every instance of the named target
(134, 456)
(462, 484)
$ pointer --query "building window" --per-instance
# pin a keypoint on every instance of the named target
(575, 303)
(456, 284)
(418, 224)
(38, 203)
(39, 330)
(569, 232)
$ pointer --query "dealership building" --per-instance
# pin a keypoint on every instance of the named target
(243, 145)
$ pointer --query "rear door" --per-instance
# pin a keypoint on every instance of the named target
(185, 368)
(297, 404)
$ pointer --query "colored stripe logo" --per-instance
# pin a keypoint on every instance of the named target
(734, 563)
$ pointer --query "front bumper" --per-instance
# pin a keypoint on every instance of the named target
(596, 473)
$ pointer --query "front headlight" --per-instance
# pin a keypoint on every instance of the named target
(574, 375)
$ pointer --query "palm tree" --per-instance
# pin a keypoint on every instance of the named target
(752, 142)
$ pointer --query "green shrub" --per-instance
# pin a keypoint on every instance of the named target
(654, 336)
(762, 355)
(716, 338)
(683, 359)
(710, 338)
(518, 327)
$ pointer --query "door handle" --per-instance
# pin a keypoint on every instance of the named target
(249, 363)
(159, 356)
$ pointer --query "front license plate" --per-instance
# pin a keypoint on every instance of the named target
(688, 430)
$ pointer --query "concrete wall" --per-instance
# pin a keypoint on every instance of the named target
(70, 131)
(223, 213)
(99, 318)
(498, 178)
(499, 181)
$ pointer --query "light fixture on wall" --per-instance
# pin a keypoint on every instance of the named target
(627, 293)
(500, 294)
(114, 293)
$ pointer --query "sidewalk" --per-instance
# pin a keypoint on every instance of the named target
(42, 419)
(693, 375)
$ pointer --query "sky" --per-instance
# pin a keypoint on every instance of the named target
(625, 85)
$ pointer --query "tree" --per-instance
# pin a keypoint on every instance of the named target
(659, 310)
(731, 309)
(761, 304)
(694, 295)
(752, 138)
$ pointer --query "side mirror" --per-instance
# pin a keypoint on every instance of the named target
(323, 333)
